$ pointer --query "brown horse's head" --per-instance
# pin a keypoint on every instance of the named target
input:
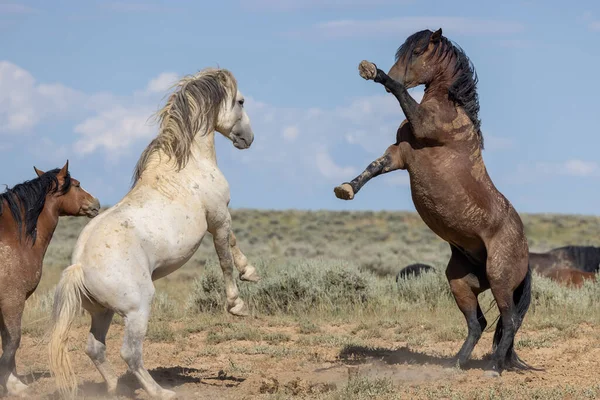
(418, 59)
(72, 199)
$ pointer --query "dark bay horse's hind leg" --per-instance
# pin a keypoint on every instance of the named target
(390, 161)
(465, 285)
(512, 292)
(12, 311)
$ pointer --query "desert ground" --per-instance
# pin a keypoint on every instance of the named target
(328, 320)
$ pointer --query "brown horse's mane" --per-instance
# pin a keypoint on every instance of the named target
(463, 91)
(26, 200)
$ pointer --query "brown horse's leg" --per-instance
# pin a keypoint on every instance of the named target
(511, 287)
(96, 347)
(465, 286)
(12, 311)
(390, 161)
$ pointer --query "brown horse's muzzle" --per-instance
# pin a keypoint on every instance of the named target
(91, 209)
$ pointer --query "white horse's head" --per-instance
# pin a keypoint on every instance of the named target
(233, 121)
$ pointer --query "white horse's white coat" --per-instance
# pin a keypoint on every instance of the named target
(150, 233)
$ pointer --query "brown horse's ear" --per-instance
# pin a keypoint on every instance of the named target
(39, 172)
(436, 36)
(63, 171)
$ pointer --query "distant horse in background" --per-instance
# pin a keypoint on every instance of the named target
(29, 213)
(584, 258)
(440, 145)
(413, 271)
(569, 276)
(179, 194)
(568, 265)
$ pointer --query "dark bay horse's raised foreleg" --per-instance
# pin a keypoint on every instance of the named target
(390, 161)
(410, 107)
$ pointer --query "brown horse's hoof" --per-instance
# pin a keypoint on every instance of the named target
(367, 70)
(344, 192)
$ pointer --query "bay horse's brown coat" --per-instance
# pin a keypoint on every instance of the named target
(440, 145)
(22, 251)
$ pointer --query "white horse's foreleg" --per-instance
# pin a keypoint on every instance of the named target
(96, 347)
(247, 271)
(221, 238)
(136, 323)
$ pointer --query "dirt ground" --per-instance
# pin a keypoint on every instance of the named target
(295, 368)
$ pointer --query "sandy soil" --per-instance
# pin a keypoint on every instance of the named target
(232, 371)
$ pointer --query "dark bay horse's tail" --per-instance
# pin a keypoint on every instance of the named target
(521, 299)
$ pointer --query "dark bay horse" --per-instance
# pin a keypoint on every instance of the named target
(440, 145)
(28, 217)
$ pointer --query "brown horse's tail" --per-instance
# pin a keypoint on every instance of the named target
(67, 304)
(521, 299)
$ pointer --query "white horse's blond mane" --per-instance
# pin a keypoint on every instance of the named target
(193, 106)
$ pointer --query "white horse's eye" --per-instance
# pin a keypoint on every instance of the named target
(241, 102)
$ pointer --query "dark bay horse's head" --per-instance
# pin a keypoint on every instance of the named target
(72, 199)
(418, 59)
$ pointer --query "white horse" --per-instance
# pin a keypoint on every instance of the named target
(179, 193)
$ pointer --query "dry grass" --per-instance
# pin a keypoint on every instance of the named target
(328, 269)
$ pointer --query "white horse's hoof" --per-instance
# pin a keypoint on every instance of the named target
(167, 394)
(15, 387)
(367, 70)
(344, 192)
(250, 275)
(491, 374)
(239, 308)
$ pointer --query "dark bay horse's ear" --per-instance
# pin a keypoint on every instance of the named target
(63, 171)
(39, 172)
(436, 36)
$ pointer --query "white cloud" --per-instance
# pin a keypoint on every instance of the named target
(114, 130)
(402, 26)
(594, 26)
(162, 82)
(329, 169)
(581, 168)
(14, 8)
(290, 133)
(23, 102)
(292, 5)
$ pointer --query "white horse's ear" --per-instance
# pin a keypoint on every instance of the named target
(39, 172)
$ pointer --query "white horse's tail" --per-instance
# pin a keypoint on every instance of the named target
(67, 304)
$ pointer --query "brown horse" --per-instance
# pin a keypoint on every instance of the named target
(440, 145)
(25, 232)
(569, 276)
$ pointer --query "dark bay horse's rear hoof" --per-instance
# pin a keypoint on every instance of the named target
(491, 374)
(344, 192)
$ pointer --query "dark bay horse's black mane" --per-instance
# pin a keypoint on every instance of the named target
(463, 90)
(26, 200)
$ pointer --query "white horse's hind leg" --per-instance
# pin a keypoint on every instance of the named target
(96, 347)
(136, 323)
(247, 271)
(221, 238)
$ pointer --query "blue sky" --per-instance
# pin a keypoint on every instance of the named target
(79, 80)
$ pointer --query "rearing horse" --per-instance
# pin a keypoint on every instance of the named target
(440, 145)
(179, 194)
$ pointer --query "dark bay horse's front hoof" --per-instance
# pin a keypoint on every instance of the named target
(344, 192)
(367, 70)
